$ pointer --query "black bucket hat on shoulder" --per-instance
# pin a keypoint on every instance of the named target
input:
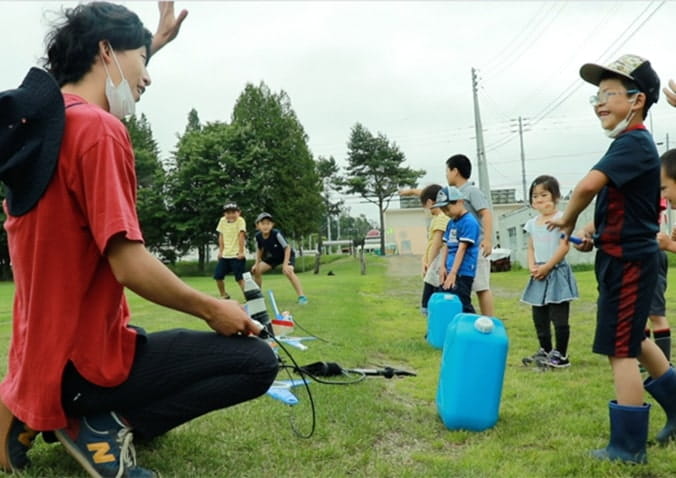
(32, 118)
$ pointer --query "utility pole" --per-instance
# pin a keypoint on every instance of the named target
(328, 212)
(484, 184)
(522, 128)
(480, 149)
(523, 162)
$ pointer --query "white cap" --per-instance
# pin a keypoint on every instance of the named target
(484, 324)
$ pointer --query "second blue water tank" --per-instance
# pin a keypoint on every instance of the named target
(441, 309)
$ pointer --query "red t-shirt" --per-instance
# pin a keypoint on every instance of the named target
(68, 305)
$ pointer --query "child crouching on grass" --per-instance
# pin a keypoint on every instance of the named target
(273, 250)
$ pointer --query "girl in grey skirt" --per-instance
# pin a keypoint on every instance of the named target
(552, 285)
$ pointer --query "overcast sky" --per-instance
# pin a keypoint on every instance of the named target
(399, 68)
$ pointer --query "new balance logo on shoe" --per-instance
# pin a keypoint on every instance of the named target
(102, 445)
(101, 452)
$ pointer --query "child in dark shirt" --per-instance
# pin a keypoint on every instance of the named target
(273, 250)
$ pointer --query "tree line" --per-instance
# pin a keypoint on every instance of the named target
(260, 159)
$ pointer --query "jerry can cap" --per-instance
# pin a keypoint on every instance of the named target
(484, 325)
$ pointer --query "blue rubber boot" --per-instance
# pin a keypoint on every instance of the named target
(663, 389)
(628, 434)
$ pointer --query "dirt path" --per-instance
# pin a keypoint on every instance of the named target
(404, 265)
(407, 266)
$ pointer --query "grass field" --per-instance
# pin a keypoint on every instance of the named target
(390, 428)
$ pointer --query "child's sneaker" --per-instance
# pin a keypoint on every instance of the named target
(302, 300)
(15, 441)
(102, 444)
(557, 360)
(536, 358)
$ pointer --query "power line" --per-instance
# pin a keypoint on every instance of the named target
(526, 43)
(575, 85)
(564, 66)
(637, 24)
(508, 51)
(634, 27)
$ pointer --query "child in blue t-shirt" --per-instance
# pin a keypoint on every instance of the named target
(460, 250)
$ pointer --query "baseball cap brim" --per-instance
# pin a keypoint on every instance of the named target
(592, 73)
(263, 215)
(642, 74)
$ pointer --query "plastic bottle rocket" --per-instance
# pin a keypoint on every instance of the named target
(255, 302)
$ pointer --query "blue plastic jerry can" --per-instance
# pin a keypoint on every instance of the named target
(472, 372)
(441, 310)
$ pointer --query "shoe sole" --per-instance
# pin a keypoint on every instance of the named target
(75, 452)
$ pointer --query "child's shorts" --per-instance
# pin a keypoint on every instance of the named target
(626, 289)
(229, 265)
(482, 279)
(275, 261)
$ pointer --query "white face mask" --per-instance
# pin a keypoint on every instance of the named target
(120, 98)
(622, 125)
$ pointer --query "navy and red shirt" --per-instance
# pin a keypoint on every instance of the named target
(626, 216)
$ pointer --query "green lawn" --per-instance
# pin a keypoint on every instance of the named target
(390, 428)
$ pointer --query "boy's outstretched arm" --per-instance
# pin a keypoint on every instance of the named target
(583, 194)
(410, 192)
